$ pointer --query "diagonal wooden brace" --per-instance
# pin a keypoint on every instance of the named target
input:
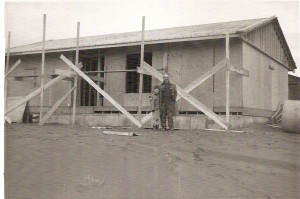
(37, 91)
(243, 72)
(102, 92)
(13, 68)
(55, 106)
(194, 84)
(193, 101)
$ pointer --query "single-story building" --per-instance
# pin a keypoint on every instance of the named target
(256, 45)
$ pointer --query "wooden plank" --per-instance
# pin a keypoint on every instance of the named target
(37, 91)
(17, 114)
(66, 73)
(13, 68)
(141, 71)
(189, 98)
(76, 78)
(55, 106)
(6, 68)
(102, 92)
(141, 75)
(43, 69)
(243, 72)
(96, 78)
(194, 84)
(26, 73)
(227, 81)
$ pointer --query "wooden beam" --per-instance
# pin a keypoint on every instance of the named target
(35, 93)
(193, 101)
(243, 72)
(141, 71)
(76, 78)
(13, 68)
(55, 106)
(141, 75)
(194, 84)
(43, 68)
(96, 78)
(66, 73)
(109, 71)
(38, 91)
(102, 92)
(227, 81)
(6, 69)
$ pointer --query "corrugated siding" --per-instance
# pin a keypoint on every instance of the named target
(266, 38)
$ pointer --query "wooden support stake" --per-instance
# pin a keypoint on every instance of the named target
(43, 69)
(76, 78)
(194, 84)
(6, 69)
(193, 101)
(102, 92)
(227, 81)
(55, 106)
(141, 75)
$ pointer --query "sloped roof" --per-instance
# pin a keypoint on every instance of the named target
(134, 38)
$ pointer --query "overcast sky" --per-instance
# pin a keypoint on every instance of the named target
(24, 19)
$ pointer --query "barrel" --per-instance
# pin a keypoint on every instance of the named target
(291, 116)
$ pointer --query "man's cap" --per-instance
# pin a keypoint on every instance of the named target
(166, 75)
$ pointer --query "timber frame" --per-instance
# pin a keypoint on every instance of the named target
(74, 71)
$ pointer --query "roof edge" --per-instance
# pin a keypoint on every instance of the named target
(257, 25)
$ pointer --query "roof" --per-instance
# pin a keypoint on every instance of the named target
(176, 34)
(134, 38)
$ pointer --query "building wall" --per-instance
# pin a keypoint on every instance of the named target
(31, 64)
(267, 39)
(294, 87)
(267, 84)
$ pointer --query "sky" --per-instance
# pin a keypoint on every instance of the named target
(24, 19)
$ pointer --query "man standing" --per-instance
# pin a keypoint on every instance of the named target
(168, 94)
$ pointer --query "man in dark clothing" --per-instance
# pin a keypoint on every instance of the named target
(168, 94)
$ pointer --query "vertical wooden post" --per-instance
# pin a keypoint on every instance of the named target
(75, 79)
(6, 69)
(43, 69)
(141, 75)
(227, 81)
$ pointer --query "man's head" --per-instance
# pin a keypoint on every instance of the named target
(166, 77)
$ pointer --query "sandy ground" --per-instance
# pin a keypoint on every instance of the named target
(62, 161)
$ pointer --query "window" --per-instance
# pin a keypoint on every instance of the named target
(132, 78)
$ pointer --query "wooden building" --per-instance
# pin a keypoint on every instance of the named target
(294, 87)
(257, 45)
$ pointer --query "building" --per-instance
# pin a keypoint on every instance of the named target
(257, 45)
(294, 87)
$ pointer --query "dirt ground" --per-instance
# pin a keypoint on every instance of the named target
(64, 161)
